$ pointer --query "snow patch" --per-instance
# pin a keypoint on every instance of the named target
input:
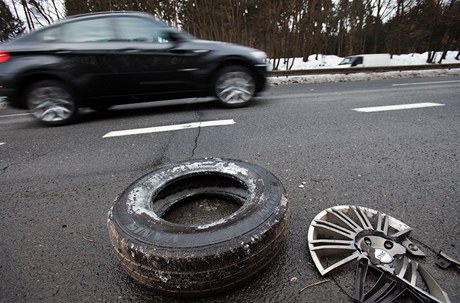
(330, 78)
(138, 202)
(331, 61)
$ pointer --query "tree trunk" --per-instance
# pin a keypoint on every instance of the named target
(431, 56)
(443, 56)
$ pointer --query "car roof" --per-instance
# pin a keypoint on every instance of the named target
(107, 13)
(26, 36)
(114, 13)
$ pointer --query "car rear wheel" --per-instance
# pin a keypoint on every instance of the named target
(234, 86)
(51, 102)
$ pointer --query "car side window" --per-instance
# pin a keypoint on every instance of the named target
(49, 35)
(134, 29)
(92, 30)
(357, 61)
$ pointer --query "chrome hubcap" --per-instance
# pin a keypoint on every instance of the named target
(376, 242)
(51, 104)
(235, 87)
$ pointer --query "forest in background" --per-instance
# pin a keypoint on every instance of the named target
(284, 29)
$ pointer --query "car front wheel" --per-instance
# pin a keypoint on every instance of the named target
(51, 102)
(234, 86)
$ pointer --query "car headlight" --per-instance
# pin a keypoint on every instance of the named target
(259, 55)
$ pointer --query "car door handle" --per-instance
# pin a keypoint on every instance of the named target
(131, 50)
(63, 51)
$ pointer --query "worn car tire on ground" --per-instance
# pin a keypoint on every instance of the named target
(198, 260)
(51, 102)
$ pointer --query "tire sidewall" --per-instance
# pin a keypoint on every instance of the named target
(131, 213)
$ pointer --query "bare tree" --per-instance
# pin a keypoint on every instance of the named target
(286, 29)
(38, 12)
(451, 34)
(10, 25)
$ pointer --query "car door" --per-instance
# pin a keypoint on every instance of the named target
(83, 47)
(73, 50)
(148, 60)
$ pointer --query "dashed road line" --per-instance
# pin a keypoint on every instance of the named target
(2, 143)
(14, 115)
(157, 129)
(396, 107)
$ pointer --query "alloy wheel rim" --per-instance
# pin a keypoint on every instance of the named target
(235, 87)
(377, 242)
(51, 104)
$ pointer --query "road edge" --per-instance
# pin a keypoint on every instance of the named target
(330, 78)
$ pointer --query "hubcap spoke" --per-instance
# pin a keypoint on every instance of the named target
(376, 241)
(51, 104)
(235, 87)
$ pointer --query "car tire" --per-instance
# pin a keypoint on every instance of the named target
(51, 102)
(199, 260)
(234, 86)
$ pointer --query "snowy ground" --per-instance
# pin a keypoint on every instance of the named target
(330, 61)
(362, 76)
(333, 61)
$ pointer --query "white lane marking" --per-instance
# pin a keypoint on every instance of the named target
(15, 115)
(396, 107)
(425, 83)
(1, 143)
(157, 129)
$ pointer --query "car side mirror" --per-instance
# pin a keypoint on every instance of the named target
(175, 37)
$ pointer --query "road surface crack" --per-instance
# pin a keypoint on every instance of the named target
(3, 169)
(195, 146)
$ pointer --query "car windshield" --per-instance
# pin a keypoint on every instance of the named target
(347, 60)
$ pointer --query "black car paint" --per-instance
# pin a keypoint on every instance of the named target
(119, 72)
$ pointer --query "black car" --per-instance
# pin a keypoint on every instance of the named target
(103, 59)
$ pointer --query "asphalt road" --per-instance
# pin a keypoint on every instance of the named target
(57, 184)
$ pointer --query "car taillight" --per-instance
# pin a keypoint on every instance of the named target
(4, 56)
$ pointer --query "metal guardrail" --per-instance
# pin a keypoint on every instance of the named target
(354, 70)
